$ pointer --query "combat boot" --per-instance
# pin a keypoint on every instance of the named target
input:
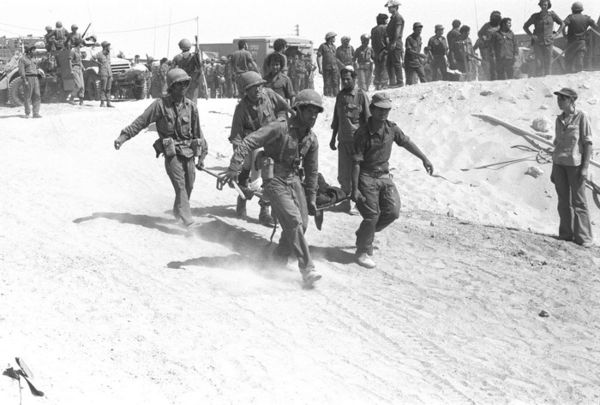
(310, 278)
(265, 217)
(364, 260)
(108, 104)
(240, 208)
(102, 103)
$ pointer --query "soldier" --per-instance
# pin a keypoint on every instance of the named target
(575, 28)
(310, 72)
(484, 42)
(278, 81)
(395, 29)
(190, 63)
(49, 40)
(414, 59)
(351, 110)
(293, 148)
(60, 36)
(328, 65)
(453, 36)
(543, 36)
(279, 47)
(106, 75)
(379, 42)
(242, 62)
(31, 84)
(73, 37)
(257, 108)
(506, 50)
(180, 139)
(299, 82)
(219, 77)
(463, 53)
(230, 87)
(77, 71)
(373, 189)
(570, 162)
(363, 59)
(438, 48)
(344, 53)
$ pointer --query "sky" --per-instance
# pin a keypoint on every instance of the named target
(154, 27)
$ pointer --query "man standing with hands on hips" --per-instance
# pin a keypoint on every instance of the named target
(373, 189)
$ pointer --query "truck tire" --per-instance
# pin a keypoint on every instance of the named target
(16, 92)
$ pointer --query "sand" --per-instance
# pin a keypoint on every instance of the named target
(109, 301)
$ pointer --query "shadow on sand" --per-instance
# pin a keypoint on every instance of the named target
(147, 221)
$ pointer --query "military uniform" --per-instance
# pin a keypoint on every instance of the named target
(345, 55)
(394, 30)
(543, 43)
(485, 40)
(29, 73)
(363, 56)
(452, 37)
(351, 110)
(576, 40)
(188, 61)
(506, 51)
(60, 37)
(77, 71)
(439, 49)
(413, 64)
(379, 43)
(281, 84)
(106, 76)
(381, 207)
(571, 133)
(331, 74)
(178, 127)
(288, 147)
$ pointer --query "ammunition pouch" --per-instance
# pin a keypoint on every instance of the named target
(196, 147)
(169, 147)
(158, 147)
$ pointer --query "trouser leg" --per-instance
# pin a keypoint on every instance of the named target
(389, 204)
(421, 74)
(345, 151)
(563, 192)
(369, 210)
(36, 97)
(582, 228)
(578, 61)
(289, 206)
(27, 94)
(362, 79)
(394, 63)
(181, 172)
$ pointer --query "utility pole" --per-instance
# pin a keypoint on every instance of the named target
(297, 28)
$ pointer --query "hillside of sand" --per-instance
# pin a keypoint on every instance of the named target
(109, 301)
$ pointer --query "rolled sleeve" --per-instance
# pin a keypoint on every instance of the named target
(150, 115)
(585, 130)
(400, 137)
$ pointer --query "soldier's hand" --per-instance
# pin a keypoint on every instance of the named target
(118, 143)
(228, 176)
(428, 166)
(583, 174)
(312, 207)
(200, 164)
(357, 196)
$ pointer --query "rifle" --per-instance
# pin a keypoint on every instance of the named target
(200, 67)
(86, 30)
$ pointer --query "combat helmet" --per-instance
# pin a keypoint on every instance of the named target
(250, 79)
(308, 97)
(185, 44)
(577, 7)
(177, 75)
